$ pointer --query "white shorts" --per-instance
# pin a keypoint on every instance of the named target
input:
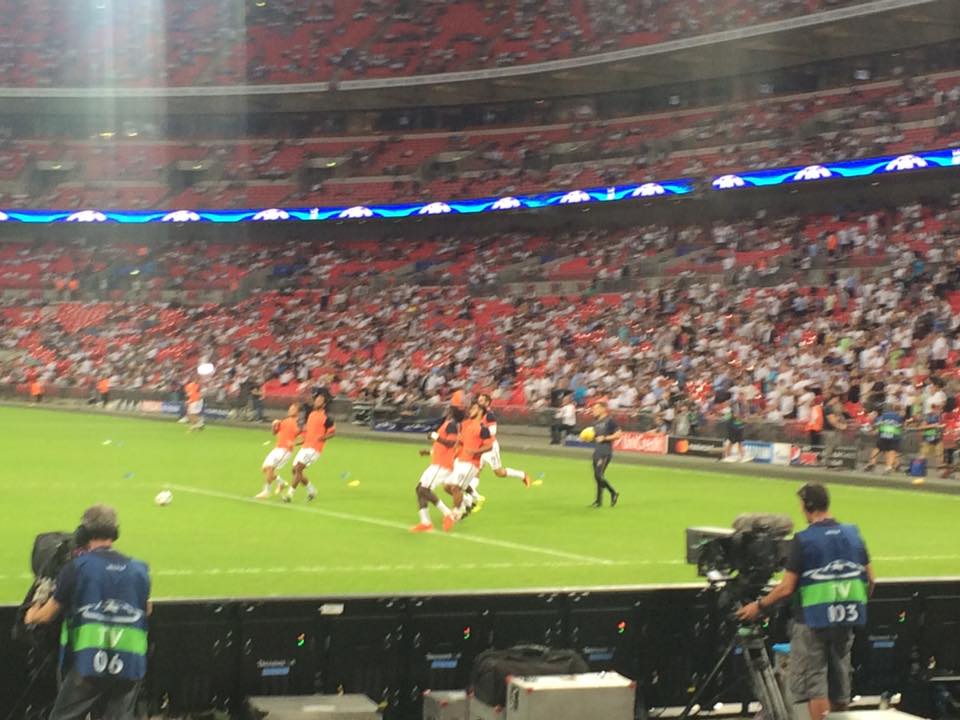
(277, 458)
(435, 476)
(195, 408)
(306, 457)
(492, 457)
(463, 473)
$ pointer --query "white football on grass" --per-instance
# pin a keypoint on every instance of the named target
(164, 497)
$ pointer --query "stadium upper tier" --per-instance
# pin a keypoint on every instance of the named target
(119, 172)
(145, 43)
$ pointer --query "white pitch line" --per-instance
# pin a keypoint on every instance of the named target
(584, 559)
(913, 558)
(320, 569)
(351, 569)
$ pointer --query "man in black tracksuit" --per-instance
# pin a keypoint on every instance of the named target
(607, 433)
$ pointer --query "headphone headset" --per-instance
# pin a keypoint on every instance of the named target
(83, 534)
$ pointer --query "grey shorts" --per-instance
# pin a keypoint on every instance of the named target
(820, 663)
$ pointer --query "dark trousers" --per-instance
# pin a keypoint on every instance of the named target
(600, 463)
(558, 431)
(103, 698)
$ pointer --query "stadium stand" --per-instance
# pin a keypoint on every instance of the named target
(224, 42)
(890, 116)
(353, 313)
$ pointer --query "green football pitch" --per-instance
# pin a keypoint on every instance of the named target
(214, 540)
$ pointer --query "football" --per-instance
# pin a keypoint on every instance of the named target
(588, 434)
(164, 497)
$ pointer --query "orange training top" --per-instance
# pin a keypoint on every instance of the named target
(441, 454)
(288, 432)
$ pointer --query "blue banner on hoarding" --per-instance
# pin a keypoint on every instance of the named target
(928, 159)
(758, 452)
(615, 193)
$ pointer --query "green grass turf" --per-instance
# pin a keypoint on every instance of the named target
(214, 541)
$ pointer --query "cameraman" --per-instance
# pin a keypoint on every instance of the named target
(104, 599)
(829, 577)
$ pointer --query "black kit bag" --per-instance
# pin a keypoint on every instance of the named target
(492, 669)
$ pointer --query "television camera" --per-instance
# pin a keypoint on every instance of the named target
(739, 563)
(51, 551)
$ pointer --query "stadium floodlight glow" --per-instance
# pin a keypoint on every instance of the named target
(205, 369)
(615, 193)
(864, 167)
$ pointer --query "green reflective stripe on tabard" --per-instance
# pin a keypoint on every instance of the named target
(890, 430)
(108, 637)
(833, 591)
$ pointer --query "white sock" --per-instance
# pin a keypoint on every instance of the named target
(266, 487)
(424, 516)
(311, 489)
(442, 508)
(474, 484)
(519, 474)
(467, 500)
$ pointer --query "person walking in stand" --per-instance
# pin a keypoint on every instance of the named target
(889, 425)
(814, 425)
(931, 443)
(103, 389)
(834, 423)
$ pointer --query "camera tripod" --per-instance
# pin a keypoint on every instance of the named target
(763, 682)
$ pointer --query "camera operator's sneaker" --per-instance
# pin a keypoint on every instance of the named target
(918, 481)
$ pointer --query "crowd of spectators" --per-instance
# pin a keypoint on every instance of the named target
(682, 342)
(895, 116)
(207, 42)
